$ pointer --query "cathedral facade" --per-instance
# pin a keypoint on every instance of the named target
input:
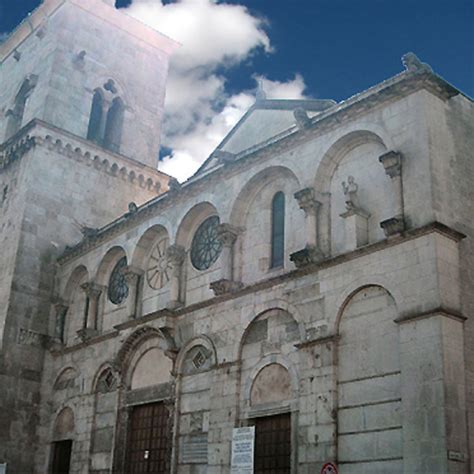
(313, 281)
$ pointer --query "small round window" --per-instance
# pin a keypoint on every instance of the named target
(118, 288)
(206, 246)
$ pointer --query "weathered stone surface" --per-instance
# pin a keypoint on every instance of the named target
(366, 348)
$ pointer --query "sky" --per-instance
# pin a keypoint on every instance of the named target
(322, 49)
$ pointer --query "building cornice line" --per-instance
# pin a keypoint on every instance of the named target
(314, 268)
(395, 88)
(39, 133)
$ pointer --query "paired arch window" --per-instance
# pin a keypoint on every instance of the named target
(278, 230)
(106, 119)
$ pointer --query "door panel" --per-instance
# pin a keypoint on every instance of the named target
(149, 440)
(61, 457)
(273, 444)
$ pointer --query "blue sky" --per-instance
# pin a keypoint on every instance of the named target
(316, 48)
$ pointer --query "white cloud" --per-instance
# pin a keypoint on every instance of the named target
(199, 112)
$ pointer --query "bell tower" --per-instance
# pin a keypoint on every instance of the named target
(81, 104)
(91, 70)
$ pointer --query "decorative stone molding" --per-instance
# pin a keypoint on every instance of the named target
(27, 138)
(15, 150)
(412, 63)
(27, 337)
(223, 286)
(174, 186)
(227, 234)
(393, 226)
(301, 117)
(392, 163)
(223, 156)
(307, 201)
(87, 333)
(310, 254)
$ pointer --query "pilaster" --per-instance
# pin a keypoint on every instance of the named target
(312, 251)
(392, 163)
(227, 234)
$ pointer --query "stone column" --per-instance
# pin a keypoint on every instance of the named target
(134, 278)
(175, 255)
(227, 235)
(91, 312)
(312, 252)
(60, 309)
(392, 163)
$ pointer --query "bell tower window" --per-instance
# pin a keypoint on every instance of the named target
(106, 117)
(95, 121)
(113, 126)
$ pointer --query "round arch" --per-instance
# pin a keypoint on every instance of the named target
(191, 220)
(274, 359)
(66, 374)
(145, 243)
(124, 358)
(250, 190)
(263, 309)
(78, 275)
(336, 153)
(353, 288)
(106, 264)
(63, 424)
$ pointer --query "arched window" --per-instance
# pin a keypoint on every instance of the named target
(113, 125)
(106, 118)
(15, 115)
(95, 120)
(278, 230)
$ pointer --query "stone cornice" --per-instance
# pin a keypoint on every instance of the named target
(314, 268)
(440, 311)
(390, 90)
(39, 133)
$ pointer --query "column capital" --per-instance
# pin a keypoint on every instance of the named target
(307, 200)
(392, 163)
(175, 255)
(132, 273)
(92, 289)
(227, 234)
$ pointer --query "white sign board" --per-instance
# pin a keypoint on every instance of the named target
(3, 468)
(243, 441)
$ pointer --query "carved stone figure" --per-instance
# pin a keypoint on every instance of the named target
(350, 193)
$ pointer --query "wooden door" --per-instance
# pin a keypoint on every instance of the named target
(273, 444)
(149, 440)
(61, 457)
